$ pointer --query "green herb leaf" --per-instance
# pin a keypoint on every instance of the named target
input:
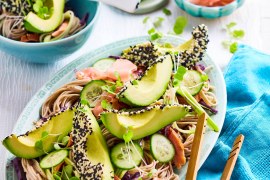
(134, 82)
(155, 36)
(56, 177)
(106, 105)
(65, 140)
(110, 89)
(168, 45)
(230, 25)
(204, 77)
(44, 134)
(56, 146)
(238, 33)
(158, 22)
(145, 19)
(233, 47)
(151, 31)
(128, 136)
(166, 11)
(118, 81)
(180, 73)
(39, 145)
(180, 24)
(84, 102)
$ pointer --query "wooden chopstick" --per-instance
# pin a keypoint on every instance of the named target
(196, 148)
(227, 172)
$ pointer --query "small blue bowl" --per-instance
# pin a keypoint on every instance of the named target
(209, 12)
(49, 52)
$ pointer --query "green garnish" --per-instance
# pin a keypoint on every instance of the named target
(65, 140)
(134, 82)
(109, 88)
(151, 31)
(234, 35)
(180, 24)
(106, 105)
(233, 47)
(179, 75)
(166, 11)
(128, 136)
(118, 81)
(158, 22)
(41, 10)
(146, 19)
(84, 102)
(39, 143)
(155, 36)
(204, 77)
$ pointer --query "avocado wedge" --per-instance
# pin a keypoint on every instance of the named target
(57, 127)
(151, 86)
(91, 154)
(143, 122)
(35, 24)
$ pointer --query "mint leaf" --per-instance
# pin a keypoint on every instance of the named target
(151, 31)
(158, 22)
(166, 11)
(233, 47)
(128, 136)
(106, 105)
(238, 33)
(145, 19)
(180, 24)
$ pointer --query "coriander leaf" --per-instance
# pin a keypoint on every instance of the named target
(155, 36)
(151, 31)
(145, 19)
(106, 105)
(158, 22)
(166, 11)
(180, 24)
(44, 134)
(128, 136)
(238, 33)
(233, 47)
(230, 25)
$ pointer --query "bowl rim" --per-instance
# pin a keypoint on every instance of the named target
(207, 7)
(40, 44)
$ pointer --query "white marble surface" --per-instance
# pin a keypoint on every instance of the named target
(20, 80)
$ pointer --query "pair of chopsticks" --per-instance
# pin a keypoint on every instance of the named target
(196, 148)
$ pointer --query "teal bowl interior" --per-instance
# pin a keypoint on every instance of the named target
(209, 12)
(49, 52)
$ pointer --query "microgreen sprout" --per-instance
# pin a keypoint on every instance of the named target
(106, 105)
(180, 24)
(166, 11)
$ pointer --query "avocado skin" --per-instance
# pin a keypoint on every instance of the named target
(60, 123)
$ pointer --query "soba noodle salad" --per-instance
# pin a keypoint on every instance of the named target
(38, 20)
(131, 116)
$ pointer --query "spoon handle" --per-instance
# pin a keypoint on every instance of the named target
(227, 172)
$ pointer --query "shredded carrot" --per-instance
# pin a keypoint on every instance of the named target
(197, 97)
(179, 157)
(116, 177)
(30, 38)
(58, 167)
(70, 142)
(60, 29)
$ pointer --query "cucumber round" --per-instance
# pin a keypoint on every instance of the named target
(193, 82)
(124, 160)
(161, 148)
(104, 64)
(91, 91)
(53, 159)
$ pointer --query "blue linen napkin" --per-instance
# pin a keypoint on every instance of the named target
(248, 112)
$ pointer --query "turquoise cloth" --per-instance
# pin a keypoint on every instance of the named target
(248, 112)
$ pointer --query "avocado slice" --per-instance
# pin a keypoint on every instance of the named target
(143, 122)
(57, 127)
(35, 24)
(151, 86)
(91, 154)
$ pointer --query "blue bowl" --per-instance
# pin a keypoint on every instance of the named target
(49, 52)
(209, 12)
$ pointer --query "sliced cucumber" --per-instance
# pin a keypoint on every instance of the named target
(92, 91)
(193, 82)
(104, 64)
(126, 156)
(161, 148)
(53, 159)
